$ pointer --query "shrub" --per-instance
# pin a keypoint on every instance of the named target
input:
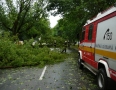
(13, 55)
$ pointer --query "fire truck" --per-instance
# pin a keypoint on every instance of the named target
(97, 47)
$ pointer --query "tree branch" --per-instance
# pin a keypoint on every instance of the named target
(6, 26)
(23, 17)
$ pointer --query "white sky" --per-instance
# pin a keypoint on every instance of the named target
(53, 20)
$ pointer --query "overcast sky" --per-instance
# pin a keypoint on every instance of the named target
(53, 20)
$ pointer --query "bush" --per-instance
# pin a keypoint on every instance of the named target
(13, 55)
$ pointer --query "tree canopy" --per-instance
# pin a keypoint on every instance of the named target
(25, 18)
(29, 18)
(75, 13)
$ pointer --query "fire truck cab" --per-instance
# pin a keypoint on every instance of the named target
(97, 47)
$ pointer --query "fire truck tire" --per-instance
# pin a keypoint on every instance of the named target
(102, 79)
(80, 62)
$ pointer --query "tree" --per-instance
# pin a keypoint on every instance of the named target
(23, 17)
(75, 14)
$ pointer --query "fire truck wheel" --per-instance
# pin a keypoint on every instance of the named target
(80, 62)
(102, 79)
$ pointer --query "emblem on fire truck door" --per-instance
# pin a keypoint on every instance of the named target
(107, 35)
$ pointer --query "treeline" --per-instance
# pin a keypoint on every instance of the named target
(75, 13)
(25, 18)
(29, 18)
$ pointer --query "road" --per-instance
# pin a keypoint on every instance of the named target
(62, 76)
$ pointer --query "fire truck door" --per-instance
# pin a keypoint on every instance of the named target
(90, 46)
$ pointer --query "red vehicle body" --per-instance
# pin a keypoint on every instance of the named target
(97, 47)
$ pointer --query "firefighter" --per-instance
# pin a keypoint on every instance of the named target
(64, 48)
(68, 44)
(54, 43)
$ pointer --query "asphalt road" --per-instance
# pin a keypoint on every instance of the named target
(62, 76)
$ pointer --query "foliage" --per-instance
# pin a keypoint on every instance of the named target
(66, 30)
(16, 55)
(25, 18)
(75, 13)
(66, 7)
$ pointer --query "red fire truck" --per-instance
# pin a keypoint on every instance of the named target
(97, 47)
